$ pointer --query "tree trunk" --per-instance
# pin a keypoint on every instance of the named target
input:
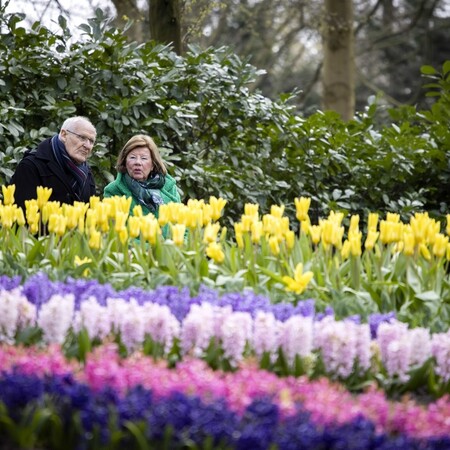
(165, 22)
(338, 77)
(128, 10)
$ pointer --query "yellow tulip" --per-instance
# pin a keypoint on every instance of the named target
(409, 243)
(247, 221)
(251, 209)
(71, 214)
(336, 217)
(315, 232)
(57, 224)
(210, 232)
(217, 205)
(372, 222)
(425, 252)
(79, 262)
(355, 243)
(208, 214)
(137, 211)
(19, 216)
(345, 250)
(120, 221)
(50, 208)
(150, 228)
(419, 224)
(32, 213)
(134, 226)
(7, 215)
(392, 217)
(8, 194)
(178, 232)
(43, 194)
(354, 224)
(256, 231)
(277, 211)
(440, 245)
(390, 231)
(91, 219)
(274, 245)
(300, 281)
(290, 239)
(238, 232)
(371, 239)
(304, 226)
(448, 225)
(302, 205)
(94, 201)
(95, 239)
(214, 251)
(432, 231)
(123, 236)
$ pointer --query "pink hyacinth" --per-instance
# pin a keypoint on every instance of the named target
(328, 402)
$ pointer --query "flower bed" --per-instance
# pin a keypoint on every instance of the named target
(115, 338)
(108, 396)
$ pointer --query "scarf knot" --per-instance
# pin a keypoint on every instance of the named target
(147, 192)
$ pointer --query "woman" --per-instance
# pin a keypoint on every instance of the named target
(142, 175)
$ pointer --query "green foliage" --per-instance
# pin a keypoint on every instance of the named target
(218, 136)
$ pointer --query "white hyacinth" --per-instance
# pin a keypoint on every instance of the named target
(55, 317)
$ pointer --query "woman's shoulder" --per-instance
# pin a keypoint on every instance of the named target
(170, 180)
(116, 186)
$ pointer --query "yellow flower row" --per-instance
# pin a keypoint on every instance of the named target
(421, 236)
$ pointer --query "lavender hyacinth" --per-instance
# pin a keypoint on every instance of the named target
(342, 344)
(265, 334)
(198, 329)
(236, 332)
(161, 325)
(295, 337)
(441, 351)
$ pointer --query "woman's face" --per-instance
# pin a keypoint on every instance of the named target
(139, 163)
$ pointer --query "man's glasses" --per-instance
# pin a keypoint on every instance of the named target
(82, 138)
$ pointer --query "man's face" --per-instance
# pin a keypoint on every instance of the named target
(79, 141)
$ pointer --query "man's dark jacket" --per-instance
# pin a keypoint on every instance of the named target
(40, 168)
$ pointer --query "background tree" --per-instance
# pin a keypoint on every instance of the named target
(338, 58)
(283, 37)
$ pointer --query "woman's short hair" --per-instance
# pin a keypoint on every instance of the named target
(141, 140)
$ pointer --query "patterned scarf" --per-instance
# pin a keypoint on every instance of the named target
(148, 192)
(77, 172)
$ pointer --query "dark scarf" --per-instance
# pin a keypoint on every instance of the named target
(78, 172)
(148, 192)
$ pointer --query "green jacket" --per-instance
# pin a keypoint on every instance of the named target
(169, 193)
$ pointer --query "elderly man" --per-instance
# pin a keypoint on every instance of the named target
(59, 163)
